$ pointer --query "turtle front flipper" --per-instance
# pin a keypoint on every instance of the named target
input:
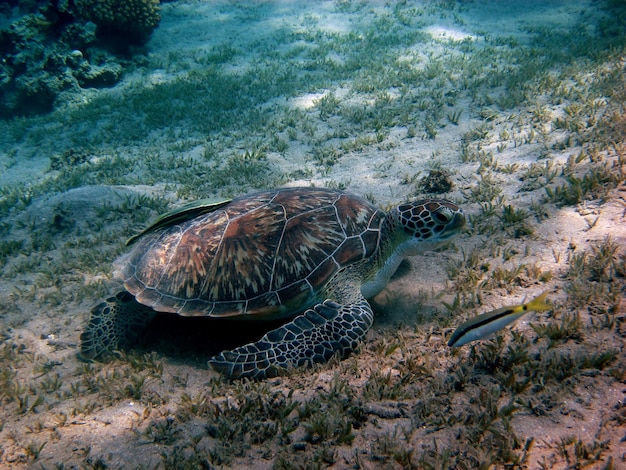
(115, 324)
(315, 336)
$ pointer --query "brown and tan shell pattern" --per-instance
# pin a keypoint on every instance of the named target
(270, 253)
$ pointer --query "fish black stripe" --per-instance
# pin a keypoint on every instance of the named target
(482, 322)
(490, 318)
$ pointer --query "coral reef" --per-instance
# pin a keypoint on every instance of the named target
(58, 47)
(121, 20)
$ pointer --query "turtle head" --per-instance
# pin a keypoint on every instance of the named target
(428, 222)
(412, 228)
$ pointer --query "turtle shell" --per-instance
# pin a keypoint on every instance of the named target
(268, 254)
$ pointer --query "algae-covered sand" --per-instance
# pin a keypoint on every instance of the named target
(515, 113)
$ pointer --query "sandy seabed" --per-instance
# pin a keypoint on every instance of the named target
(515, 113)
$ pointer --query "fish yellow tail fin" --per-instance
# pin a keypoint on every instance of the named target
(538, 304)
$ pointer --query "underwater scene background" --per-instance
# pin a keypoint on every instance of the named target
(112, 113)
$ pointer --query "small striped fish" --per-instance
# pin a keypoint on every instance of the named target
(486, 324)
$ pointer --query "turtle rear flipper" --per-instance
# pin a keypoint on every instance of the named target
(115, 324)
(315, 336)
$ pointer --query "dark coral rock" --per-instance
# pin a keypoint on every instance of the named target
(97, 76)
(437, 182)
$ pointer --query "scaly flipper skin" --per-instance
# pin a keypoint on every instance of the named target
(115, 324)
(313, 337)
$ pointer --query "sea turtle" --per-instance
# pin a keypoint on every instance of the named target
(310, 256)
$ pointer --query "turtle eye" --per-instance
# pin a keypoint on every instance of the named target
(443, 215)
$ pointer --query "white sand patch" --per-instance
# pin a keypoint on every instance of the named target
(306, 101)
(449, 33)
